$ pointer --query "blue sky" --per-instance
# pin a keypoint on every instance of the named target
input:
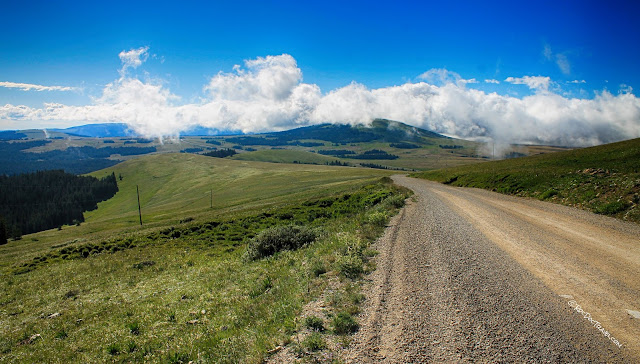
(583, 47)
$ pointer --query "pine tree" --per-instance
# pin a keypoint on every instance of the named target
(3, 231)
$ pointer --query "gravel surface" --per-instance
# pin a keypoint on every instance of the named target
(448, 287)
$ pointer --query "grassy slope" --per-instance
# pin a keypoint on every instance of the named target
(113, 308)
(604, 179)
(284, 156)
(178, 185)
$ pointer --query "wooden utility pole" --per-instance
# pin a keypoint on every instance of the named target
(139, 210)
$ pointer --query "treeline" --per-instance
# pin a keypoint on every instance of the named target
(379, 166)
(342, 153)
(191, 150)
(403, 145)
(374, 154)
(138, 141)
(14, 158)
(212, 141)
(369, 154)
(11, 135)
(337, 163)
(327, 163)
(222, 153)
(44, 200)
(450, 146)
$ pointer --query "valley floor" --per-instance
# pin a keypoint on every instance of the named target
(468, 275)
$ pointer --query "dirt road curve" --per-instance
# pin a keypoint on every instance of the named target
(471, 275)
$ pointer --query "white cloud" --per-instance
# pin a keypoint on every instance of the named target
(492, 81)
(563, 64)
(133, 58)
(560, 58)
(547, 52)
(271, 77)
(441, 76)
(268, 93)
(537, 83)
(577, 81)
(32, 87)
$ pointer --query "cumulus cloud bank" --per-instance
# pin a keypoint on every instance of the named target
(268, 93)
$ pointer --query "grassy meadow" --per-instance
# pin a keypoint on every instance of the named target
(284, 156)
(181, 287)
(603, 179)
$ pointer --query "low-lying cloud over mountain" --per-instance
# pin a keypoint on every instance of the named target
(268, 93)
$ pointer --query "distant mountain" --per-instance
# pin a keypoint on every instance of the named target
(116, 130)
(108, 130)
(202, 131)
(380, 130)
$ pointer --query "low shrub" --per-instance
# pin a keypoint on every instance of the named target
(263, 286)
(314, 342)
(344, 324)
(318, 268)
(71, 294)
(352, 245)
(395, 201)
(314, 323)
(612, 208)
(142, 265)
(350, 266)
(134, 328)
(548, 194)
(377, 218)
(113, 349)
(178, 358)
(279, 238)
(132, 346)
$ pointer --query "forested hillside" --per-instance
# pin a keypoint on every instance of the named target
(47, 199)
(15, 159)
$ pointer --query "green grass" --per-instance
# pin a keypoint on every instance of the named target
(176, 187)
(344, 324)
(314, 323)
(175, 292)
(284, 156)
(603, 179)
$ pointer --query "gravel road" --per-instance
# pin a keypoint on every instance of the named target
(468, 275)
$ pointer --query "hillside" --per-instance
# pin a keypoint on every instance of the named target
(180, 287)
(383, 144)
(407, 147)
(179, 185)
(48, 199)
(284, 156)
(603, 179)
(380, 130)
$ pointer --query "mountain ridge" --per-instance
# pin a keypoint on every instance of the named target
(396, 131)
